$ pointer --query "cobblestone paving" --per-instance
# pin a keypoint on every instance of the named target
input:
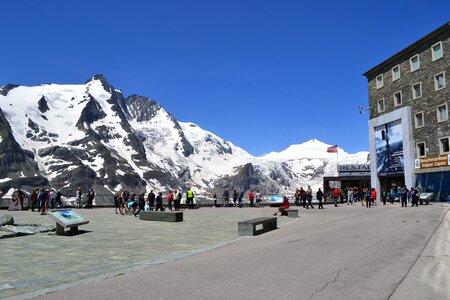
(111, 245)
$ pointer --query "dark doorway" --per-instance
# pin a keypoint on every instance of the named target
(395, 181)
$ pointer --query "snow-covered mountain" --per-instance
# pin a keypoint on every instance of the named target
(65, 136)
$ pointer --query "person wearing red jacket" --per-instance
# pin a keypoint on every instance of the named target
(251, 198)
(282, 209)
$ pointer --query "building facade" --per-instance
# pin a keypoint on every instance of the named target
(409, 129)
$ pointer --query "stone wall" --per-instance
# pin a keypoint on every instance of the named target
(430, 99)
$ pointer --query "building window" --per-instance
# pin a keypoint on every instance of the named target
(414, 62)
(398, 98)
(379, 81)
(417, 90)
(442, 113)
(421, 150)
(439, 81)
(381, 105)
(444, 145)
(419, 120)
(436, 51)
(396, 73)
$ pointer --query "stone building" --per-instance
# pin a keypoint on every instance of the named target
(409, 129)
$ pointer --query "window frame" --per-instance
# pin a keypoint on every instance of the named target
(378, 105)
(424, 149)
(441, 150)
(399, 73)
(416, 125)
(439, 115)
(411, 64)
(433, 57)
(413, 92)
(395, 99)
(436, 82)
(382, 81)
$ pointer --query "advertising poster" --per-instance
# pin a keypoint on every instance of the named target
(389, 148)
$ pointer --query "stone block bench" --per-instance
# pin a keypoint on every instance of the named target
(264, 224)
(166, 216)
(291, 212)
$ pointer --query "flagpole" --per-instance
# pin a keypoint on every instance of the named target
(337, 157)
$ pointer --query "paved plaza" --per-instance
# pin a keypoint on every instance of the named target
(348, 252)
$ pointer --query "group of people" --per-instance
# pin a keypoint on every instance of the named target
(237, 199)
(89, 198)
(45, 199)
(130, 203)
(366, 196)
(406, 196)
(306, 196)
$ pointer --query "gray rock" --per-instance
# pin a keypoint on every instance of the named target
(27, 229)
(6, 220)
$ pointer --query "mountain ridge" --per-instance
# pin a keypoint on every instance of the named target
(91, 135)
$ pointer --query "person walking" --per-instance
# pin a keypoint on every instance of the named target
(335, 196)
(225, 198)
(297, 197)
(383, 196)
(52, 199)
(177, 200)
(373, 196)
(350, 196)
(392, 195)
(251, 198)
(235, 196)
(190, 198)
(240, 197)
(141, 202)
(159, 202)
(117, 203)
(303, 197)
(258, 198)
(404, 196)
(169, 200)
(415, 197)
(79, 194)
(91, 196)
(319, 196)
(215, 199)
(58, 202)
(309, 198)
(34, 201)
(151, 200)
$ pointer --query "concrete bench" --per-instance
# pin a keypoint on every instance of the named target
(249, 228)
(291, 212)
(166, 216)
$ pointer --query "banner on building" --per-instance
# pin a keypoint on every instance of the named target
(389, 148)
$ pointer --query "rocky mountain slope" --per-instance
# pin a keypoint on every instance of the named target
(65, 136)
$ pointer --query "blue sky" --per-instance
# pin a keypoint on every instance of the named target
(261, 74)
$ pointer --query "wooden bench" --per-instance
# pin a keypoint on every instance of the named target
(291, 212)
(167, 216)
(249, 228)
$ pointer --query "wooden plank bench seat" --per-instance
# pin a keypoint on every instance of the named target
(249, 227)
(167, 216)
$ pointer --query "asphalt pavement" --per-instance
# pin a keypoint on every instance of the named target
(348, 252)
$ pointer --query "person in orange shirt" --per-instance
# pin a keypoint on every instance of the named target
(283, 207)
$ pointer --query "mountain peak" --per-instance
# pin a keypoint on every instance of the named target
(103, 80)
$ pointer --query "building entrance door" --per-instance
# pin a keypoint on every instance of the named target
(388, 182)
